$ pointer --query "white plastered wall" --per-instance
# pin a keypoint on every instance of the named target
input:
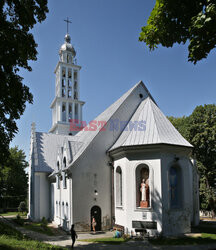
(178, 220)
(41, 196)
(92, 171)
(129, 212)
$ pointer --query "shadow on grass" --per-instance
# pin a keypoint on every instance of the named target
(33, 226)
(208, 227)
(110, 241)
(204, 239)
(96, 233)
(5, 247)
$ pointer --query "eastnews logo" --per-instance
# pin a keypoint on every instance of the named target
(111, 125)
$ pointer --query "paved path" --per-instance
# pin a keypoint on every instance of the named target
(64, 240)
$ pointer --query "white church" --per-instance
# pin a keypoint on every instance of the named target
(129, 167)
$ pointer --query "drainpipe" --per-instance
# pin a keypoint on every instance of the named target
(111, 164)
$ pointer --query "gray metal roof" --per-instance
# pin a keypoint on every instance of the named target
(47, 145)
(86, 137)
(157, 128)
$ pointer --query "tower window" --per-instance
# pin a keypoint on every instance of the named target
(69, 83)
(69, 93)
(75, 75)
(70, 112)
(63, 72)
(63, 112)
(63, 82)
(76, 111)
(63, 92)
(69, 73)
(75, 85)
(75, 90)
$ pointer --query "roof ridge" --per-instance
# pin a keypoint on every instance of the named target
(170, 124)
(156, 125)
(140, 106)
(127, 93)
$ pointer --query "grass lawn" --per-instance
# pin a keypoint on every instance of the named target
(9, 214)
(110, 240)
(10, 238)
(203, 239)
(206, 235)
(34, 226)
(37, 227)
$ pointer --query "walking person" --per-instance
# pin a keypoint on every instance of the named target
(73, 235)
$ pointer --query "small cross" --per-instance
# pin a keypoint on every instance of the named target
(67, 21)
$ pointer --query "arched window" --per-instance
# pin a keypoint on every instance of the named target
(175, 193)
(64, 162)
(58, 165)
(118, 186)
(59, 209)
(64, 175)
(67, 211)
(57, 181)
(56, 208)
(142, 186)
(63, 214)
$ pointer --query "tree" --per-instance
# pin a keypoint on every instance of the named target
(179, 21)
(182, 124)
(13, 179)
(17, 47)
(200, 130)
(202, 134)
(22, 207)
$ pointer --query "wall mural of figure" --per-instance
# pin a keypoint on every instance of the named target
(173, 188)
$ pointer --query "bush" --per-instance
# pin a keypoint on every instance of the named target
(126, 236)
(22, 207)
(19, 220)
(44, 222)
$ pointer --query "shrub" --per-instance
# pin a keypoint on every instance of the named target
(126, 236)
(19, 220)
(22, 207)
(44, 222)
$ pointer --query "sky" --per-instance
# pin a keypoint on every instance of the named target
(105, 36)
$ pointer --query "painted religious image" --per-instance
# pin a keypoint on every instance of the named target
(173, 188)
(144, 189)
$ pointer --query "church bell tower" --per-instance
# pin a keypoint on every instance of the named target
(66, 105)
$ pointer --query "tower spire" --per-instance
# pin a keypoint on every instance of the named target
(66, 105)
(67, 21)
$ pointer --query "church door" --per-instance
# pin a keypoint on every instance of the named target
(96, 213)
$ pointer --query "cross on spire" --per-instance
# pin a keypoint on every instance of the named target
(67, 21)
